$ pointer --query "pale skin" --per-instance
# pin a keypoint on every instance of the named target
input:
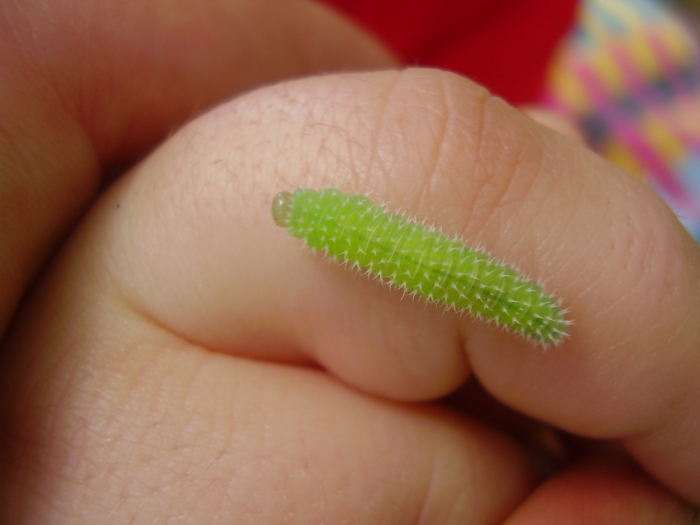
(181, 360)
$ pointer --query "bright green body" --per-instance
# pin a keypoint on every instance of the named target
(423, 261)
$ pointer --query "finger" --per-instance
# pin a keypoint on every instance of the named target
(109, 418)
(209, 264)
(89, 86)
(601, 493)
(632, 382)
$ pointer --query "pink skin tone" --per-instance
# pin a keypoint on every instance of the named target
(181, 359)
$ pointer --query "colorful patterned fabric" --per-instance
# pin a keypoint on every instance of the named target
(629, 76)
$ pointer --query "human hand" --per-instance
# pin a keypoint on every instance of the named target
(167, 365)
(174, 346)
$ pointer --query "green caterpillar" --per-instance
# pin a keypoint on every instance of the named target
(420, 260)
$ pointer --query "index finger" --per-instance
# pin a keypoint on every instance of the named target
(439, 147)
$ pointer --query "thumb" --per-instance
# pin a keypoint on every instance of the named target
(90, 85)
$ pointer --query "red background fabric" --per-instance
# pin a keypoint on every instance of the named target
(504, 45)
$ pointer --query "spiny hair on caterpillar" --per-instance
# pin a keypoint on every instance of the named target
(421, 260)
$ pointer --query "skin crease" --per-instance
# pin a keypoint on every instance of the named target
(181, 360)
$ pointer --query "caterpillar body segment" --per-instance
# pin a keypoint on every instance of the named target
(420, 260)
